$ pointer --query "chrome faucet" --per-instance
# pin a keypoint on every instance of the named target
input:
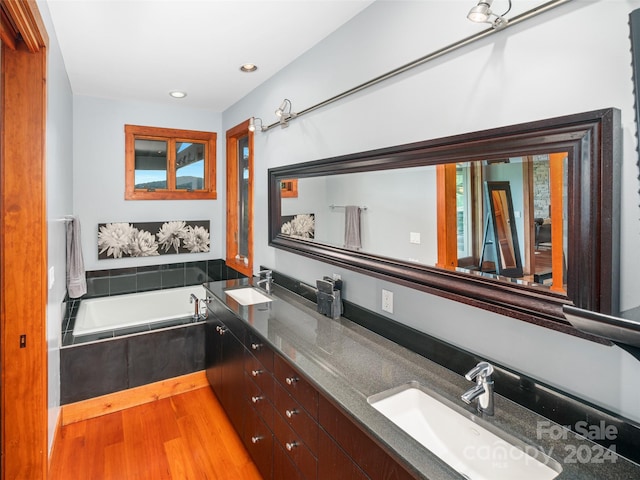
(483, 390)
(267, 280)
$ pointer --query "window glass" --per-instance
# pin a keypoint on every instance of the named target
(189, 166)
(243, 196)
(150, 164)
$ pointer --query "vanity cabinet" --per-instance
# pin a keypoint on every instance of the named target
(290, 430)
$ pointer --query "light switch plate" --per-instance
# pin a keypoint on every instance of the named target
(52, 277)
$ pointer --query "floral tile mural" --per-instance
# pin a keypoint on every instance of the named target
(302, 225)
(148, 239)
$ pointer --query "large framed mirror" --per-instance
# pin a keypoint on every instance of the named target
(443, 215)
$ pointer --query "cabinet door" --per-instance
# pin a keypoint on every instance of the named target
(333, 462)
(233, 379)
(213, 353)
(373, 460)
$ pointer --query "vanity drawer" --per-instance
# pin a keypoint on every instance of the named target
(258, 440)
(295, 448)
(258, 400)
(298, 387)
(284, 468)
(296, 417)
(258, 373)
(261, 351)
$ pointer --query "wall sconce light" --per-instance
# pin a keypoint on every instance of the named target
(482, 13)
(256, 123)
(284, 113)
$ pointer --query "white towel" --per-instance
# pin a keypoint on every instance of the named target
(352, 227)
(76, 280)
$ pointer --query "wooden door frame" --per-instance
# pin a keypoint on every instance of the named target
(23, 242)
(233, 135)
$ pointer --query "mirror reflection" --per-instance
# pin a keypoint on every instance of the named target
(504, 219)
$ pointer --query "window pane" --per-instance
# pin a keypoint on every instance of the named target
(150, 164)
(189, 166)
(463, 209)
(243, 196)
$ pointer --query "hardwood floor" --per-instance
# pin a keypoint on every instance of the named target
(186, 436)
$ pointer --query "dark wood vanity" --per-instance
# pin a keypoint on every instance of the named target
(290, 429)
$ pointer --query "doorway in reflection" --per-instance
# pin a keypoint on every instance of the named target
(511, 218)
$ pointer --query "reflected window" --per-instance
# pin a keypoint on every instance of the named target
(169, 164)
(463, 211)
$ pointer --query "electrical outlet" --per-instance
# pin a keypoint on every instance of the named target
(414, 237)
(387, 301)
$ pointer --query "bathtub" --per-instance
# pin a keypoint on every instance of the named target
(130, 310)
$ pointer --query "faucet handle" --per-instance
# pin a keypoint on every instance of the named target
(267, 273)
(481, 370)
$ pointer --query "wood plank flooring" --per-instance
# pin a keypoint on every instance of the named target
(186, 437)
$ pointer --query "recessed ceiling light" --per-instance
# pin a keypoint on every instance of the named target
(178, 94)
(249, 67)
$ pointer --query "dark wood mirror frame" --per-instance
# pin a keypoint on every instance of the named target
(593, 143)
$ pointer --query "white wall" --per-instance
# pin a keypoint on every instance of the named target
(59, 203)
(573, 59)
(99, 180)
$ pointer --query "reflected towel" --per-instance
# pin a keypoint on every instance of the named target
(76, 281)
(352, 227)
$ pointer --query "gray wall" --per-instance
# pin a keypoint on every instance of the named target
(573, 59)
(98, 169)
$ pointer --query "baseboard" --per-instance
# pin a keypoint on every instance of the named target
(54, 442)
(114, 402)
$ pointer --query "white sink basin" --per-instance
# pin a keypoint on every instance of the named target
(467, 447)
(247, 296)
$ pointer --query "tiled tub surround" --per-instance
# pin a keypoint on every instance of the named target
(348, 363)
(93, 369)
(119, 281)
(114, 360)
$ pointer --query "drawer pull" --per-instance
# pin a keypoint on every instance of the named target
(256, 439)
(290, 445)
(256, 399)
(290, 380)
(255, 373)
(256, 346)
(290, 413)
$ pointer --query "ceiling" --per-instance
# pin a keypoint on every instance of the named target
(143, 49)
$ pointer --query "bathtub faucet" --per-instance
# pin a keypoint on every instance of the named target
(196, 313)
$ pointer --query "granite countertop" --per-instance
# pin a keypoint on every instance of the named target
(348, 363)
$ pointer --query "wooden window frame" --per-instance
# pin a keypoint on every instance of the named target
(231, 261)
(171, 136)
